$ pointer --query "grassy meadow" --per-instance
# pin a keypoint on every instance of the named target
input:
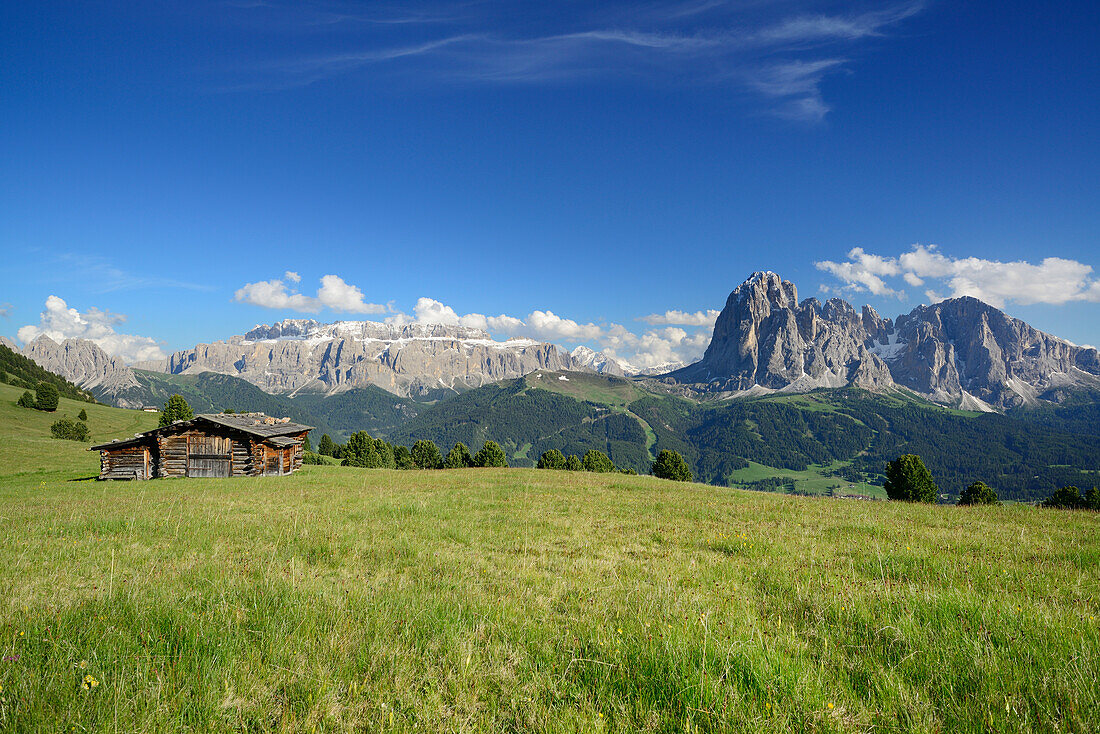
(345, 599)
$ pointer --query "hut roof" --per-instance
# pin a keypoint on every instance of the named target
(256, 424)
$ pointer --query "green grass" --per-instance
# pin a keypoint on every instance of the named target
(810, 481)
(344, 599)
(615, 392)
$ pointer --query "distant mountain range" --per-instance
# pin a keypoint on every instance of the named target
(959, 352)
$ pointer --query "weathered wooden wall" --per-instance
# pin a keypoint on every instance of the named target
(131, 462)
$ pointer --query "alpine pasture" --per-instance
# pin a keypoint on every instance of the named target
(343, 599)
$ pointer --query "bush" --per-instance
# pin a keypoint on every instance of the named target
(1092, 500)
(82, 415)
(908, 479)
(552, 459)
(979, 493)
(1066, 498)
(46, 397)
(69, 429)
(597, 461)
(425, 455)
(176, 409)
(26, 400)
(573, 463)
(491, 454)
(308, 457)
(671, 465)
(458, 457)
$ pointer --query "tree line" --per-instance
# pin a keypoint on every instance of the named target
(909, 480)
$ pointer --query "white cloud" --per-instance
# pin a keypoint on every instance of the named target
(682, 318)
(334, 293)
(1054, 280)
(274, 294)
(60, 322)
(341, 296)
(5, 310)
(864, 272)
(652, 348)
(550, 326)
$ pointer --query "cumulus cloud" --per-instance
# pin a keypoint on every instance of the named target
(650, 349)
(60, 322)
(1054, 280)
(682, 318)
(334, 293)
(548, 325)
(864, 272)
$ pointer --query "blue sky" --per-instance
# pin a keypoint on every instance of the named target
(572, 167)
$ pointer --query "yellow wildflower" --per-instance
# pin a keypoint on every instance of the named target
(89, 682)
(830, 705)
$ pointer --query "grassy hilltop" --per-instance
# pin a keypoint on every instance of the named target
(344, 599)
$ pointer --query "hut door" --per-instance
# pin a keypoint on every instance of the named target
(208, 456)
(273, 465)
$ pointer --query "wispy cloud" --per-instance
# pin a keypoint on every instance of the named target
(99, 275)
(778, 53)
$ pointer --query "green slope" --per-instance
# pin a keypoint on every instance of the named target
(28, 451)
(348, 600)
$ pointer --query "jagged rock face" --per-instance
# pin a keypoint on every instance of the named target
(406, 360)
(82, 363)
(765, 338)
(964, 347)
(958, 352)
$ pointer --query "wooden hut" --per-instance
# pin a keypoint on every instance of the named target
(208, 445)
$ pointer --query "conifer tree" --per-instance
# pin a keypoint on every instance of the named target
(671, 465)
(491, 454)
(176, 409)
(458, 457)
(908, 479)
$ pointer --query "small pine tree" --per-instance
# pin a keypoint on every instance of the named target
(671, 465)
(573, 463)
(360, 451)
(425, 454)
(1092, 500)
(306, 445)
(491, 454)
(26, 400)
(176, 409)
(82, 415)
(552, 459)
(1066, 498)
(908, 479)
(46, 397)
(67, 428)
(458, 457)
(979, 493)
(325, 445)
(597, 461)
(402, 458)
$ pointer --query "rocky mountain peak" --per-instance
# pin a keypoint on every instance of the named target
(765, 338)
(961, 351)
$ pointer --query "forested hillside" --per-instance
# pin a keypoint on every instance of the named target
(527, 420)
(20, 371)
